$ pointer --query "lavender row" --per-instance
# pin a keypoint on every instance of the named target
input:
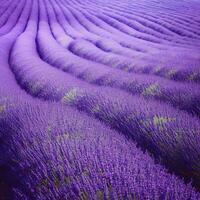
(154, 126)
(5, 12)
(12, 20)
(46, 151)
(75, 29)
(53, 152)
(160, 67)
(184, 96)
(174, 24)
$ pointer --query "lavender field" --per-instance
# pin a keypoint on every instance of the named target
(99, 99)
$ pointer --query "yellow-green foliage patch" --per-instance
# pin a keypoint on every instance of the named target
(158, 69)
(151, 89)
(159, 121)
(193, 76)
(171, 73)
(35, 87)
(126, 69)
(70, 96)
(96, 109)
(2, 108)
(49, 129)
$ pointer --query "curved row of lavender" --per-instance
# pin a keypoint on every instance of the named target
(99, 99)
